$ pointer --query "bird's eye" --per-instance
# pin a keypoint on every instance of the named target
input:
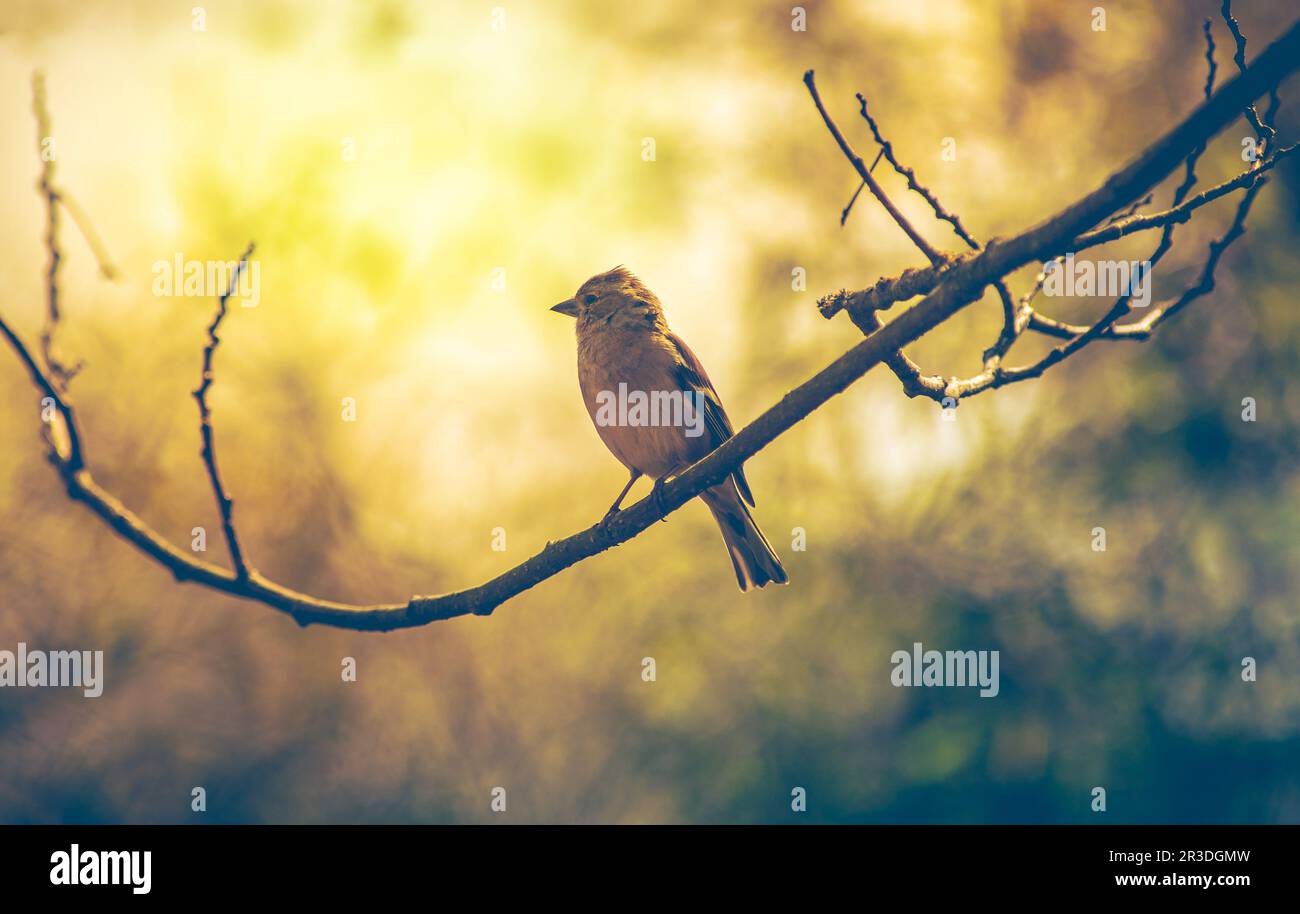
(589, 298)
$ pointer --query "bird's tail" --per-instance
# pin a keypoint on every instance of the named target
(755, 562)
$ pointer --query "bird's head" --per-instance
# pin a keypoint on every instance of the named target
(615, 297)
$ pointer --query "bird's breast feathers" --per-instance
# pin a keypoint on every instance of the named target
(637, 362)
(642, 359)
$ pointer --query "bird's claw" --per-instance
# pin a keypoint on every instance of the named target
(657, 496)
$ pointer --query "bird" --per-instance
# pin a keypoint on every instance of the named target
(627, 356)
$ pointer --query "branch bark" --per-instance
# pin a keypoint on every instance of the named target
(957, 284)
(225, 504)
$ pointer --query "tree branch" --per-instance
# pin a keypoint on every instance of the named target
(917, 281)
(225, 504)
(1263, 129)
(961, 282)
(54, 198)
(1143, 329)
(1017, 319)
(865, 173)
(60, 373)
(914, 383)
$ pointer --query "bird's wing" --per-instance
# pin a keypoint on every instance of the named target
(692, 376)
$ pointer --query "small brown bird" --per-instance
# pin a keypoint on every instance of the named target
(656, 409)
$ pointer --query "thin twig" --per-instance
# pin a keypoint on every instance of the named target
(1016, 319)
(1263, 130)
(1106, 324)
(1183, 211)
(922, 280)
(225, 504)
(865, 173)
(848, 207)
(61, 374)
(963, 281)
(994, 374)
(1140, 330)
(844, 214)
(1132, 210)
(107, 269)
(1010, 328)
(72, 459)
(887, 150)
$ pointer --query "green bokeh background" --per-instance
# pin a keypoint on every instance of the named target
(521, 149)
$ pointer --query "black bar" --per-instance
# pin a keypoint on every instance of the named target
(215, 863)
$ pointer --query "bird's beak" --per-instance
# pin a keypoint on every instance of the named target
(568, 306)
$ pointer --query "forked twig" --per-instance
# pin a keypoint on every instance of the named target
(957, 282)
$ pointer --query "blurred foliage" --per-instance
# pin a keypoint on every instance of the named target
(521, 149)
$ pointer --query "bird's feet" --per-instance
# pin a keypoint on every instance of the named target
(604, 522)
(657, 496)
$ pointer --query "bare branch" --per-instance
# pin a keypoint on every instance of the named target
(887, 150)
(1183, 211)
(1189, 174)
(1206, 282)
(225, 504)
(1140, 330)
(79, 217)
(915, 383)
(1263, 129)
(1179, 213)
(922, 280)
(865, 173)
(60, 373)
(69, 456)
(886, 292)
(1010, 328)
(1132, 210)
(1105, 328)
(909, 373)
(1211, 68)
(848, 207)
(961, 281)
(994, 375)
